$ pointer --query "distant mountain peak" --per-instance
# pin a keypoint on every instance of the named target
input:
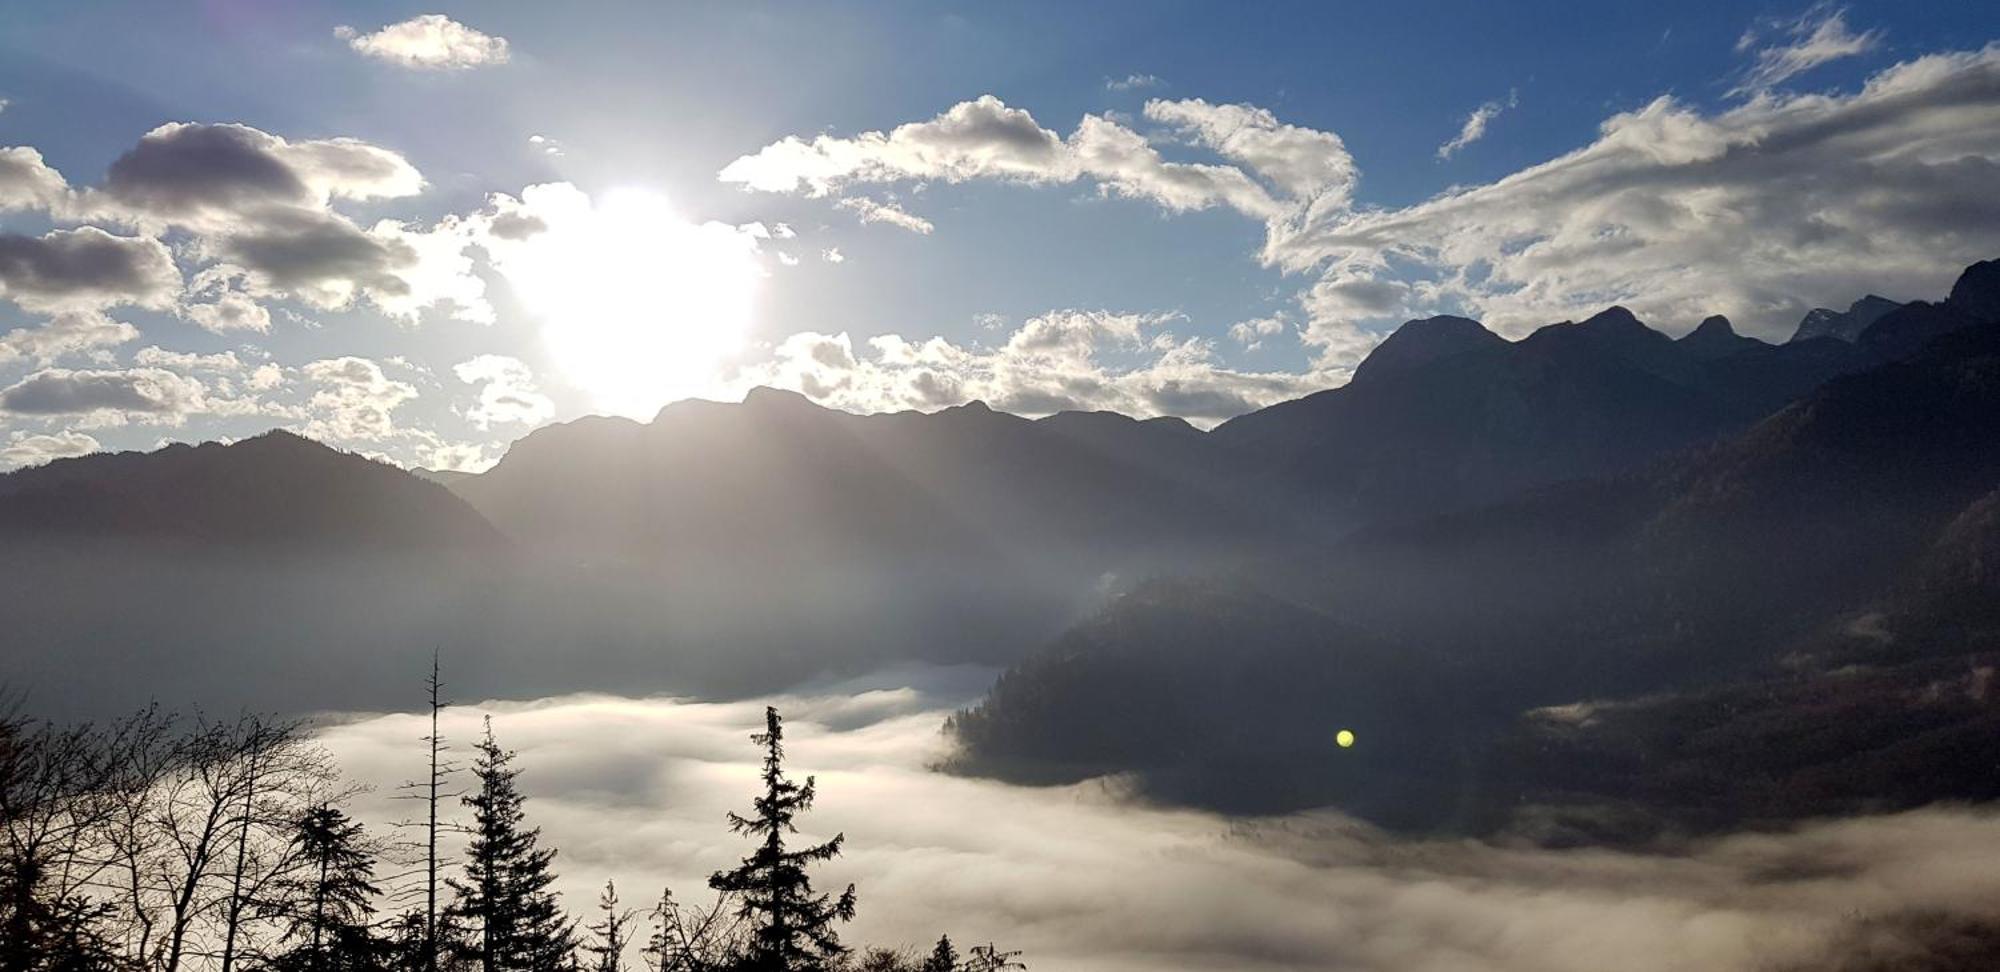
(1977, 291)
(1715, 337)
(765, 396)
(1614, 317)
(1422, 341)
(1844, 325)
(1711, 327)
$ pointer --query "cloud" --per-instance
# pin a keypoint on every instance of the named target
(1757, 212)
(1063, 360)
(1133, 82)
(507, 392)
(259, 209)
(429, 42)
(1474, 128)
(1288, 176)
(213, 176)
(635, 790)
(28, 449)
(1813, 38)
(26, 182)
(355, 400)
(85, 269)
(885, 211)
(1311, 167)
(71, 332)
(229, 310)
(986, 139)
(1251, 333)
(110, 397)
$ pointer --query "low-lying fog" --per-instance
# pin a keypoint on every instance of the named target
(635, 789)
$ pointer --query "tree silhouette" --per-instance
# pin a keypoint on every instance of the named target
(518, 925)
(608, 952)
(944, 958)
(330, 903)
(793, 928)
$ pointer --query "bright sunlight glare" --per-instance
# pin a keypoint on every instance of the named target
(638, 306)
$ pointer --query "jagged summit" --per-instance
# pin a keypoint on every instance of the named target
(1844, 325)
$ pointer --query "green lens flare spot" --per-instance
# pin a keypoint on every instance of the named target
(1344, 738)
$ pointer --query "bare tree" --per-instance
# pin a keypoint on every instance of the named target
(199, 828)
(432, 790)
(695, 939)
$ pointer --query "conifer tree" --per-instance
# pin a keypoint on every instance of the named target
(608, 952)
(793, 928)
(330, 902)
(515, 922)
(944, 958)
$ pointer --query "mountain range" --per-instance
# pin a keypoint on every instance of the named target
(1485, 556)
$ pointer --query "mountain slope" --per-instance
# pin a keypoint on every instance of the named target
(276, 489)
(1724, 592)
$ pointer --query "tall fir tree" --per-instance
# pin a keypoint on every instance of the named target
(330, 903)
(793, 928)
(514, 922)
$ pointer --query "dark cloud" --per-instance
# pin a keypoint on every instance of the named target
(315, 253)
(140, 391)
(85, 268)
(183, 170)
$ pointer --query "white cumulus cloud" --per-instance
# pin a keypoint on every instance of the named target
(429, 41)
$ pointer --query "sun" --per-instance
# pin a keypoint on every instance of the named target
(638, 306)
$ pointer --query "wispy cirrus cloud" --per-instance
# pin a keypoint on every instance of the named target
(1785, 49)
(1133, 82)
(1474, 127)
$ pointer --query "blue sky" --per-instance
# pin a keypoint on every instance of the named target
(1175, 208)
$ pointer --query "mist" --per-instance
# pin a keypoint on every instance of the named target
(1082, 877)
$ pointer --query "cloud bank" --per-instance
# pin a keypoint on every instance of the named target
(635, 790)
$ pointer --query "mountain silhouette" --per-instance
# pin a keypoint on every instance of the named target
(1607, 658)
(1459, 420)
(277, 489)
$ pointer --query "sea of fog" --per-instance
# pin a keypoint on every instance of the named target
(635, 789)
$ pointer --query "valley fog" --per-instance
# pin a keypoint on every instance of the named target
(1081, 878)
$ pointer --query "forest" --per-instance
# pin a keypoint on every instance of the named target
(159, 843)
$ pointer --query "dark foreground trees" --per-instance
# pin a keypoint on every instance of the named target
(511, 920)
(792, 927)
(155, 844)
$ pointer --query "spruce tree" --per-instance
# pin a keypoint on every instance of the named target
(330, 903)
(944, 958)
(793, 928)
(515, 922)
